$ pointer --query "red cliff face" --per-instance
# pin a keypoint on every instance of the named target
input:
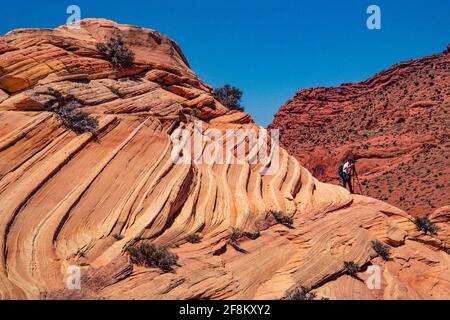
(396, 123)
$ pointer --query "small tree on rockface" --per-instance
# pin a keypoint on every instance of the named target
(229, 96)
(425, 225)
(116, 52)
(233, 239)
(151, 255)
(381, 249)
(66, 107)
(283, 219)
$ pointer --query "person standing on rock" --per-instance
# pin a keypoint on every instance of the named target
(348, 170)
(341, 173)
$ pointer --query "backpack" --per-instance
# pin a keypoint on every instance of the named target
(341, 170)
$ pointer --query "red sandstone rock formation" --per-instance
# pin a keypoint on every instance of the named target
(65, 198)
(396, 123)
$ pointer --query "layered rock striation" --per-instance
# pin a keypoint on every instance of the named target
(82, 200)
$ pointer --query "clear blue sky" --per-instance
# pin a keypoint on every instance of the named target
(270, 49)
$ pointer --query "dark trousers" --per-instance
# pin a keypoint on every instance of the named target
(347, 181)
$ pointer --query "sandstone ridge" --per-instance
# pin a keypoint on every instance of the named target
(65, 198)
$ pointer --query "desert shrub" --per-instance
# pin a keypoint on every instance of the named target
(116, 52)
(76, 120)
(235, 235)
(300, 293)
(425, 225)
(381, 249)
(66, 108)
(118, 236)
(351, 268)
(282, 219)
(193, 238)
(151, 255)
(229, 96)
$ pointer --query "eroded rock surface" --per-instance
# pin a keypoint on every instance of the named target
(64, 198)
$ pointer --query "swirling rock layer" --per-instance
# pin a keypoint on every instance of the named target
(64, 198)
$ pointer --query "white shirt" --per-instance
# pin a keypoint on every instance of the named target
(346, 167)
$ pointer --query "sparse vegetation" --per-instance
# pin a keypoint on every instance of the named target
(351, 268)
(116, 52)
(282, 219)
(151, 255)
(193, 238)
(66, 108)
(235, 235)
(300, 293)
(425, 225)
(381, 249)
(229, 96)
